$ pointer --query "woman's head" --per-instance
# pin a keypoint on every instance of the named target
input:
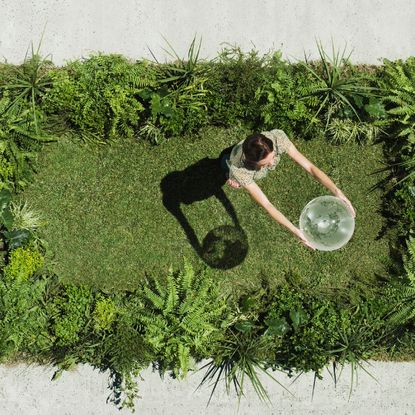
(258, 151)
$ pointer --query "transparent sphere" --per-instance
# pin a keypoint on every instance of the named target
(327, 223)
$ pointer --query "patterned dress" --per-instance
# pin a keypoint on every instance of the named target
(244, 176)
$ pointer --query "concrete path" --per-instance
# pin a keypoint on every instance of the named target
(375, 29)
(29, 391)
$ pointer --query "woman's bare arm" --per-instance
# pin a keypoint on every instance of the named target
(258, 195)
(320, 176)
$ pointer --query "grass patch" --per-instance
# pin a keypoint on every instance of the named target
(107, 225)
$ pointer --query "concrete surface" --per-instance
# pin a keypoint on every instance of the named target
(74, 28)
(29, 391)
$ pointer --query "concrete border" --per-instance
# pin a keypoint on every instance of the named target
(74, 28)
(29, 391)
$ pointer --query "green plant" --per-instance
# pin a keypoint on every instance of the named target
(233, 79)
(398, 80)
(72, 314)
(347, 130)
(24, 217)
(336, 85)
(23, 318)
(181, 318)
(306, 329)
(180, 71)
(178, 103)
(403, 310)
(104, 313)
(23, 263)
(281, 102)
(28, 83)
(12, 237)
(99, 96)
(21, 119)
(241, 354)
(362, 335)
(279, 330)
(19, 144)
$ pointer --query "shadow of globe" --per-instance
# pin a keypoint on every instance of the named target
(225, 247)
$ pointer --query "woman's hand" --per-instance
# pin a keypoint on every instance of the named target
(303, 239)
(233, 183)
(346, 201)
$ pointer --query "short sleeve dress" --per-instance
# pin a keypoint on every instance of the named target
(245, 176)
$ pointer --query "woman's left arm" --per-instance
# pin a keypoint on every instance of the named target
(319, 175)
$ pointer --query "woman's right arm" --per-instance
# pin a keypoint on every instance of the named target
(259, 196)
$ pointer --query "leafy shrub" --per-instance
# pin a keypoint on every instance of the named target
(26, 84)
(281, 99)
(178, 103)
(306, 328)
(104, 313)
(72, 310)
(284, 331)
(23, 263)
(405, 197)
(99, 96)
(24, 217)
(364, 336)
(234, 77)
(242, 354)
(23, 318)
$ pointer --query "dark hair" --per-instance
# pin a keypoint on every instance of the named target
(255, 148)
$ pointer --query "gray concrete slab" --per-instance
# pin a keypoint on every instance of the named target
(29, 391)
(374, 29)
(74, 28)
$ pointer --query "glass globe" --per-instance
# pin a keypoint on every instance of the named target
(327, 223)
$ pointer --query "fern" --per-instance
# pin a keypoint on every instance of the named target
(399, 81)
(181, 318)
(404, 307)
(172, 295)
(156, 300)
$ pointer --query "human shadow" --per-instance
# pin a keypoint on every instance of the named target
(223, 247)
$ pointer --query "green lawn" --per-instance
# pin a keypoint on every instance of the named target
(107, 224)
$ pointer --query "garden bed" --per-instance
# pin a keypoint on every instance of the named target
(110, 261)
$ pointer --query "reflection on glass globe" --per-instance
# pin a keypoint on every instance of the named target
(327, 223)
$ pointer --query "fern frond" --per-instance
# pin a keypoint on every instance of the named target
(172, 295)
(160, 287)
(186, 277)
(155, 299)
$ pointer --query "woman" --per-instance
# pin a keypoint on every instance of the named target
(252, 159)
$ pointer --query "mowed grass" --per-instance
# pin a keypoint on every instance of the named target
(106, 224)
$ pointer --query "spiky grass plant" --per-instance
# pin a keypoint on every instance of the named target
(28, 83)
(24, 217)
(337, 84)
(240, 357)
(343, 131)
